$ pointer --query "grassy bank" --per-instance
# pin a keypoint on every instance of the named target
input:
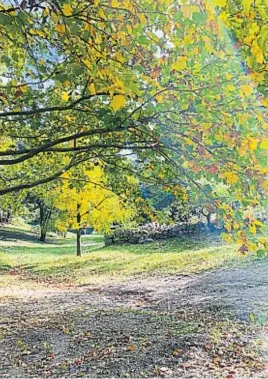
(100, 264)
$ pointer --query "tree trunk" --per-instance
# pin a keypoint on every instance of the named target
(42, 216)
(78, 243)
(43, 236)
(78, 232)
(45, 215)
(210, 224)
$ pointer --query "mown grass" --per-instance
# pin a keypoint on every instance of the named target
(101, 264)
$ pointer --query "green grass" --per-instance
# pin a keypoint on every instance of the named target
(100, 264)
(92, 238)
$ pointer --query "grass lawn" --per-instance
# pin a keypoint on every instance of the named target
(100, 264)
(151, 321)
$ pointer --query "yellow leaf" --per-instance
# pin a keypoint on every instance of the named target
(264, 144)
(259, 57)
(196, 68)
(98, 39)
(264, 101)
(119, 83)
(55, 17)
(66, 83)
(142, 18)
(122, 37)
(87, 63)
(180, 64)
(118, 102)
(236, 225)
(24, 88)
(253, 229)
(64, 96)
(258, 223)
(60, 28)
(246, 4)
(159, 98)
(92, 89)
(67, 10)
(230, 87)
(220, 3)
(120, 57)
(102, 14)
(115, 3)
(131, 347)
(228, 76)
(188, 40)
(42, 61)
(226, 237)
(46, 12)
(224, 16)
(231, 177)
(247, 89)
(253, 143)
(186, 11)
(257, 76)
(257, 51)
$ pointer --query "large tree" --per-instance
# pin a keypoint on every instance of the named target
(86, 201)
(99, 80)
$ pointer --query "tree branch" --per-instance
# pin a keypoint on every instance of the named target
(29, 153)
(52, 109)
(56, 175)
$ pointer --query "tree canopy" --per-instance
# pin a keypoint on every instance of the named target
(151, 87)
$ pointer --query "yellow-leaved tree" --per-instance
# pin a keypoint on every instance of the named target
(89, 202)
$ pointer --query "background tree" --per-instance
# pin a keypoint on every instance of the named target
(40, 199)
(89, 203)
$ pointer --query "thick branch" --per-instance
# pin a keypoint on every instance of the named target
(147, 145)
(29, 153)
(38, 182)
(51, 109)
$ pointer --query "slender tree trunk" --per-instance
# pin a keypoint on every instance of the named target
(210, 224)
(42, 216)
(45, 215)
(78, 232)
(78, 243)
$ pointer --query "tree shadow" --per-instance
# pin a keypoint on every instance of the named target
(16, 234)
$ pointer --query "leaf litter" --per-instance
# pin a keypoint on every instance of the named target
(210, 325)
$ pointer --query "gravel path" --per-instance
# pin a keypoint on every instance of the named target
(208, 325)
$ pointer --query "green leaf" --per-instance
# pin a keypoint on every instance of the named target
(260, 253)
(199, 17)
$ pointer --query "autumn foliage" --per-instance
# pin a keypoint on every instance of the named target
(156, 87)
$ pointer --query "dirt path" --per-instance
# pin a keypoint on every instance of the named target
(210, 325)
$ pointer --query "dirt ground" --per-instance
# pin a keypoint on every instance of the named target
(208, 325)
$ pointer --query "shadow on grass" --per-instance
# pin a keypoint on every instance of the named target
(8, 234)
(15, 234)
